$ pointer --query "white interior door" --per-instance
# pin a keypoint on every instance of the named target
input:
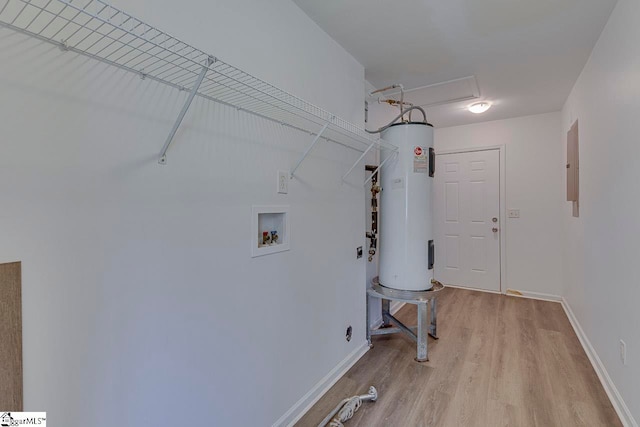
(467, 219)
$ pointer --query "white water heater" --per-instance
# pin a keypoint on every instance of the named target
(406, 235)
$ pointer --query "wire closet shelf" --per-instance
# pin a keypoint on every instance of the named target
(98, 30)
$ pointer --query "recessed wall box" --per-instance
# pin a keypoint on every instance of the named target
(269, 230)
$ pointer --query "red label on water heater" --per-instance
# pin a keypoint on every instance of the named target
(418, 151)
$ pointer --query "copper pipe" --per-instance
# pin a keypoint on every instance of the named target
(384, 89)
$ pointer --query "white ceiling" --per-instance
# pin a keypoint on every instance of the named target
(525, 54)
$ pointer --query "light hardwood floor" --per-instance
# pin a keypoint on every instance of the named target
(500, 361)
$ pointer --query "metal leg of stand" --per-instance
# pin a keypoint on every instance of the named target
(368, 321)
(423, 331)
(386, 308)
(434, 319)
(426, 304)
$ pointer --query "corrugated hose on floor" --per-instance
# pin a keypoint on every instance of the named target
(347, 407)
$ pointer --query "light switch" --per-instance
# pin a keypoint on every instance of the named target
(513, 213)
(283, 182)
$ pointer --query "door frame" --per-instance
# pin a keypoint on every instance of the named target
(502, 163)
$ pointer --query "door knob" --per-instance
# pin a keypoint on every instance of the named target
(494, 229)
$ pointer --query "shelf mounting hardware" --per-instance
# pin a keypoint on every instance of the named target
(393, 154)
(194, 90)
(373, 144)
(306, 153)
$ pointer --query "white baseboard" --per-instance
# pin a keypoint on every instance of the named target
(520, 294)
(614, 395)
(303, 405)
(535, 295)
(472, 289)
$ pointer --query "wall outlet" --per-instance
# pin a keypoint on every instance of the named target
(513, 213)
(283, 182)
(623, 352)
(359, 252)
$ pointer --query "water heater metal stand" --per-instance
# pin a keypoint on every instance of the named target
(426, 305)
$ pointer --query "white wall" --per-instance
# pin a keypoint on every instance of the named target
(140, 298)
(601, 279)
(533, 185)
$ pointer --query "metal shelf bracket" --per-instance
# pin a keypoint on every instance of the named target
(194, 90)
(373, 144)
(306, 153)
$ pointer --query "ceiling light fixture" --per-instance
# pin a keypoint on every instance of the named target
(479, 107)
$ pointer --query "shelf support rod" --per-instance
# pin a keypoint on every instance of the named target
(306, 153)
(395, 153)
(194, 90)
(373, 144)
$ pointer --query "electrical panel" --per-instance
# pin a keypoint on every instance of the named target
(573, 167)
